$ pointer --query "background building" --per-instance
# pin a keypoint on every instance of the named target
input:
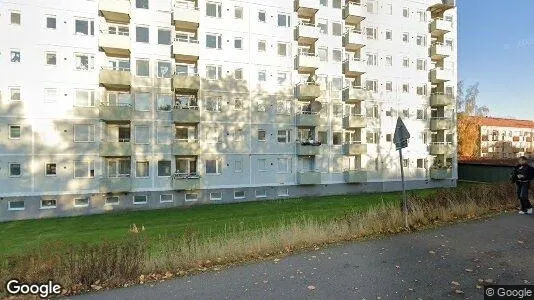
(117, 104)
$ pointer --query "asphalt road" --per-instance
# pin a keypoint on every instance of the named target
(435, 264)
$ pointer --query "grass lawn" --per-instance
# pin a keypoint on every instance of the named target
(18, 236)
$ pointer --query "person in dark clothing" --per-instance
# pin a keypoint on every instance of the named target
(522, 174)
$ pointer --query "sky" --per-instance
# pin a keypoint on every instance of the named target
(496, 49)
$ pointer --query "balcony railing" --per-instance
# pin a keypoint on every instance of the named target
(190, 40)
(180, 175)
(186, 4)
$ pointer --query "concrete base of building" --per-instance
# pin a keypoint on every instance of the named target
(65, 206)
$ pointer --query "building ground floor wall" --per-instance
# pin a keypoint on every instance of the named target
(50, 206)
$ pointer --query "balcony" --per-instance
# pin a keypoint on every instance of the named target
(307, 33)
(440, 124)
(308, 120)
(354, 149)
(439, 51)
(440, 173)
(308, 177)
(355, 121)
(355, 176)
(186, 148)
(115, 149)
(439, 27)
(353, 40)
(186, 82)
(439, 99)
(114, 44)
(353, 13)
(306, 8)
(115, 185)
(185, 15)
(353, 67)
(307, 63)
(307, 150)
(186, 115)
(115, 79)
(184, 184)
(121, 113)
(185, 49)
(439, 75)
(440, 148)
(308, 91)
(438, 7)
(353, 94)
(115, 10)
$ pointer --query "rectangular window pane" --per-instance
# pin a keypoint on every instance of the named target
(141, 34)
(164, 37)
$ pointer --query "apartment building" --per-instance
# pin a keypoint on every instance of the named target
(117, 104)
(504, 138)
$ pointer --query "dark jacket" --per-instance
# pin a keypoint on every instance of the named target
(522, 173)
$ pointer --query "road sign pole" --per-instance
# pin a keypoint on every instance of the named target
(405, 204)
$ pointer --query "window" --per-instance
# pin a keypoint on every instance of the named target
(406, 163)
(406, 113)
(238, 12)
(337, 110)
(284, 136)
(50, 58)
(282, 49)
(323, 53)
(81, 202)
(336, 29)
(141, 4)
(238, 104)
(406, 62)
(214, 104)
(213, 166)
(239, 194)
(84, 133)
(262, 165)
(14, 94)
(336, 55)
(164, 69)
(165, 198)
(372, 137)
(191, 197)
(213, 9)
(261, 16)
(283, 165)
(389, 86)
(323, 137)
(113, 200)
(213, 41)
(420, 163)
(139, 199)
(50, 169)
(336, 3)
(213, 136)
(142, 134)
(164, 168)
(405, 12)
(141, 34)
(389, 61)
(372, 7)
(323, 26)
(238, 135)
(238, 43)
(371, 85)
(421, 65)
(389, 9)
(142, 102)
(15, 205)
(164, 102)
(262, 76)
(14, 131)
(51, 22)
(238, 166)
(84, 98)
(281, 192)
(213, 72)
(84, 27)
(50, 95)
(262, 135)
(337, 138)
(215, 196)
(84, 62)
(388, 137)
(389, 35)
(371, 33)
(142, 169)
(15, 170)
(421, 40)
(406, 37)
(15, 18)
(142, 67)
(372, 112)
(284, 20)
(405, 88)
(421, 114)
(164, 36)
(372, 59)
(15, 56)
(261, 46)
(260, 106)
(48, 204)
(281, 78)
(84, 169)
(262, 193)
(421, 90)
(324, 3)
(422, 15)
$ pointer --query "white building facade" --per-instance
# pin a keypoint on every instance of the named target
(116, 104)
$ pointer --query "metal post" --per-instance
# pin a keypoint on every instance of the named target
(405, 204)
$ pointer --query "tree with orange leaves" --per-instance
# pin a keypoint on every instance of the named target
(468, 127)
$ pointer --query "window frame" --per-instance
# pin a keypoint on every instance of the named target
(114, 203)
(46, 169)
(190, 200)
(55, 22)
(47, 207)
(139, 202)
(212, 198)
(240, 197)
(90, 167)
(11, 14)
(47, 53)
(10, 127)
(137, 175)
(218, 9)
(166, 201)
(9, 208)
(78, 205)
(20, 169)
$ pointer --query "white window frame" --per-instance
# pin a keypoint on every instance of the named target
(261, 193)
(191, 194)
(47, 207)
(214, 198)
(282, 192)
(139, 202)
(166, 201)
(90, 167)
(90, 26)
(90, 95)
(260, 12)
(91, 137)
(12, 91)
(240, 164)
(240, 9)
(148, 168)
(78, 205)
(9, 169)
(114, 203)
(18, 208)
(236, 197)
(218, 166)
(218, 9)
(17, 54)
(218, 41)
(11, 137)
(90, 62)
(47, 53)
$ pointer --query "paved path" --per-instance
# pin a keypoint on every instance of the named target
(409, 266)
